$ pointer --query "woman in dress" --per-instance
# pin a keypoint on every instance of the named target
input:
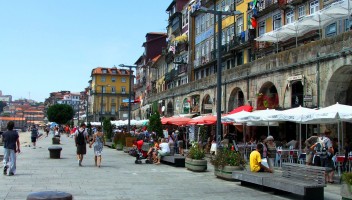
(98, 142)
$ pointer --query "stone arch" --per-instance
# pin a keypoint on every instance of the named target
(267, 97)
(207, 104)
(170, 109)
(339, 87)
(236, 99)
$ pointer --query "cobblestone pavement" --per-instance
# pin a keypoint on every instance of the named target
(120, 178)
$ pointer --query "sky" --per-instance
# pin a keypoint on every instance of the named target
(53, 45)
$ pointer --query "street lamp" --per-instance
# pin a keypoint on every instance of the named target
(219, 15)
(129, 95)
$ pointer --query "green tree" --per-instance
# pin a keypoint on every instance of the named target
(155, 124)
(60, 113)
(107, 127)
(2, 105)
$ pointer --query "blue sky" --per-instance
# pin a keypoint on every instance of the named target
(52, 45)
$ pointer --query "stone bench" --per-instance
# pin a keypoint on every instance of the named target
(55, 152)
(52, 195)
(308, 181)
(176, 160)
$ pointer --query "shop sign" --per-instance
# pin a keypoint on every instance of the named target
(208, 106)
(293, 78)
(307, 98)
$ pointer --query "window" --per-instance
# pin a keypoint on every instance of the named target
(103, 79)
(113, 71)
(289, 17)
(239, 22)
(113, 110)
(123, 80)
(261, 28)
(123, 71)
(113, 79)
(239, 57)
(202, 25)
(348, 25)
(198, 25)
(207, 21)
(104, 71)
(276, 21)
(104, 89)
(123, 89)
(113, 89)
(301, 11)
(330, 30)
(314, 6)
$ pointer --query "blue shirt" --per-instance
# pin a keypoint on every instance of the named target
(10, 139)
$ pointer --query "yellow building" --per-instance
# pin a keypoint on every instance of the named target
(108, 88)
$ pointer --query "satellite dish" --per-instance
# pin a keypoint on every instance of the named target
(227, 8)
(163, 109)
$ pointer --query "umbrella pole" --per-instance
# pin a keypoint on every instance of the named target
(306, 131)
(300, 138)
(268, 129)
(343, 144)
(338, 137)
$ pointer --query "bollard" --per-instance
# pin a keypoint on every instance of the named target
(52, 195)
(55, 152)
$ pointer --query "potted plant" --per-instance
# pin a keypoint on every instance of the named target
(107, 127)
(346, 187)
(118, 137)
(195, 159)
(226, 161)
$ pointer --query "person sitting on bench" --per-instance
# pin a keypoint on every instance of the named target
(164, 150)
(255, 160)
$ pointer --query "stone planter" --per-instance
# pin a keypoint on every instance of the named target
(119, 147)
(55, 152)
(196, 165)
(226, 172)
(346, 193)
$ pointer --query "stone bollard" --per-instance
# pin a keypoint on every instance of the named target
(56, 140)
(55, 152)
(52, 195)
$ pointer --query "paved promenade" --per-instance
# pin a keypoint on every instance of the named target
(120, 178)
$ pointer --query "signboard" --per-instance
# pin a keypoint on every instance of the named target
(307, 98)
(293, 78)
(208, 106)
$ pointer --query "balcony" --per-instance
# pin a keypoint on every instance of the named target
(181, 47)
(267, 6)
(242, 40)
(182, 68)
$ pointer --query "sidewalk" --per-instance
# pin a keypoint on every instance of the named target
(120, 178)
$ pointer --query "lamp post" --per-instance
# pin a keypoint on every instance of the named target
(219, 15)
(129, 95)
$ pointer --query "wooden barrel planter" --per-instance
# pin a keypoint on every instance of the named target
(346, 191)
(196, 165)
(226, 172)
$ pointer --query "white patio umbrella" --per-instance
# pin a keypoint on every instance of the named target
(296, 29)
(274, 36)
(297, 115)
(268, 115)
(332, 114)
(235, 117)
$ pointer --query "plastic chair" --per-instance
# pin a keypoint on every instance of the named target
(302, 158)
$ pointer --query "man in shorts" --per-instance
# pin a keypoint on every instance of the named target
(81, 138)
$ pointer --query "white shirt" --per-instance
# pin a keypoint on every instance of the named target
(164, 147)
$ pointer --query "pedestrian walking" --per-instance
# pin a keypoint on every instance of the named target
(34, 135)
(98, 142)
(81, 138)
(11, 146)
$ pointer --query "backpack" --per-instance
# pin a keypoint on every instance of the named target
(80, 138)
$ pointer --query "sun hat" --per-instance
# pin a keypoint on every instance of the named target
(270, 137)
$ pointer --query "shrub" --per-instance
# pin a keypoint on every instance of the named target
(196, 152)
(227, 157)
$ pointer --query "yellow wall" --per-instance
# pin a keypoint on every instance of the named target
(268, 24)
(108, 96)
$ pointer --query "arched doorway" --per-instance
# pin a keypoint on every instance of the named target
(236, 99)
(296, 94)
(186, 106)
(207, 105)
(170, 109)
(267, 97)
